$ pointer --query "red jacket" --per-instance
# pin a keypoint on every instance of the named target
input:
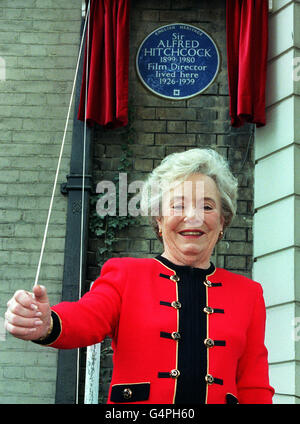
(124, 303)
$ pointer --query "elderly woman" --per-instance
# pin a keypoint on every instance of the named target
(183, 331)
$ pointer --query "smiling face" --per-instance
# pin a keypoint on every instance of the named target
(191, 222)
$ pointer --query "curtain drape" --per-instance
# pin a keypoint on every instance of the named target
(107, 94)
(247, 45)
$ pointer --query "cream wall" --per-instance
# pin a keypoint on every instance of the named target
(277, 202)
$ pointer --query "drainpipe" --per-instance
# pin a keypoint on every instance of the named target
(66, 383)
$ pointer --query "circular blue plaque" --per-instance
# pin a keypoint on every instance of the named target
(177, 61)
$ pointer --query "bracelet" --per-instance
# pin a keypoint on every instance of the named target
(48, 332)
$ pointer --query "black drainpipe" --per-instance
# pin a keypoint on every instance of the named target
(67, 359)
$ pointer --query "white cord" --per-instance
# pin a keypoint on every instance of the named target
(59, 159)
(83, 187)
(84, 160)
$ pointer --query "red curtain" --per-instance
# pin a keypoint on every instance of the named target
(247, 45)
(107, 95)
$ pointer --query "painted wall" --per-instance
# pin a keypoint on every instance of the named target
(277, 201)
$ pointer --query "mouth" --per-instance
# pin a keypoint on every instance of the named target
(191, 233)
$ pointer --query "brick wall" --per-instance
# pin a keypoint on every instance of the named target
(165, 126)
(39, 42)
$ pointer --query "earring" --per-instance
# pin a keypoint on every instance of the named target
(160, 233)
(221, 235)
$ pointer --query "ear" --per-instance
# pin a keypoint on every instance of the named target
(222, 222)
(159, 223)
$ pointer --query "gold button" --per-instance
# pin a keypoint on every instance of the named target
(175, 373)
(127, 393)
(176, 304)
(208, 310)
(175, 335)
(207, 283)
(209, 379)
(174, 278)
(209, 342)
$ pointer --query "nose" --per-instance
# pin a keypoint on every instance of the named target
(194, 216)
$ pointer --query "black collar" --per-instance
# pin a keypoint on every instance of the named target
(186, 269)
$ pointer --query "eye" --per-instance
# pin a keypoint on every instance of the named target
(208, 207)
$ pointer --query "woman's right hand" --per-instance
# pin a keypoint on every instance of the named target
(28, 315)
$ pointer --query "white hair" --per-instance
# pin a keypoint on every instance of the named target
(177, 167)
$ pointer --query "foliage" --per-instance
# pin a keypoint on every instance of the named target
(108, 227)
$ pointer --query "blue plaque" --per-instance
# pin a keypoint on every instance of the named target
(177, 61)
